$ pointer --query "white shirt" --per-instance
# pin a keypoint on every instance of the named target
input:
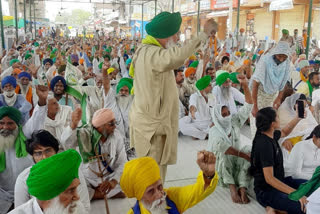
(242, 40)
(21, 194)
(303, 160)
(235, 95)
(313, 206)
(203, 107)
(31, 207)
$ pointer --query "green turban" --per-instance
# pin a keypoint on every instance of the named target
(317, 62)
(13, 61)
(107, 56)
(203, 82)
(54, 51)
(194, 64)
(285, 31)
(36, 44)
(13, 113)
(254, 57)
(107, 50)
(306, 189)
(27, 56)
(164, 25)
(125, 82)
(52, 176)
(233, 77)
(221, 77)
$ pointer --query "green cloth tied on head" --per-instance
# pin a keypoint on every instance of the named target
(20, 146)
(13, 61)
(164, 25)
(100, 65)
(52, 176)
(107, 50)
(27, 56)
(125, 82)
(203, 82)
(254, 57)
(221, 77)
(233, 77)
(285, 31)
(36, 44)
(306, 189)
(107, 56)
(54, 51)
(194, 64)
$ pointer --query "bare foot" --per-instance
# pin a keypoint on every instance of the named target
(243, 195)
(234, 194)
(270, 210)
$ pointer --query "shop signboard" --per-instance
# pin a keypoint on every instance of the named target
(222, 4)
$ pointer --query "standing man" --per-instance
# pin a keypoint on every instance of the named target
(154, 112)
(242, 40)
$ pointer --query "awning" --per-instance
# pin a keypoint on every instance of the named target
(218, 13)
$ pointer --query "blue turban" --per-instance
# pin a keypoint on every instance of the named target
(24, 74)
(126, 55)
(128, 61)
(9, 79)
(47, 60)
(312, 62)
(55, 80)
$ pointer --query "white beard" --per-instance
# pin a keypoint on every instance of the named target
(190, 81)
(171, 44)
(56, 207)
(225, 92)
(7, 141)
(10, 100)
(155, 208)
(123, 102)
(24, 89)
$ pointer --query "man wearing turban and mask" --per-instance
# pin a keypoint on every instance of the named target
(287, 38)
(10, 98)
(198, 122)
(233, 160)
(13, 154)
(98, 138)
(155, 110)
(119, 102)
(141, 180)
(53, 183)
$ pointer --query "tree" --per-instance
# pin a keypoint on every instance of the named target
(76, 18)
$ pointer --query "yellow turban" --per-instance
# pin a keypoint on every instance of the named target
(138, 175)
(110, 70)
(193, 57)
(238, 53)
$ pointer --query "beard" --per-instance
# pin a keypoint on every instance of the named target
(170, 44)
(156, 207)
(225, 91)
(123, 101)
(7, 139)
(190, 81)
(57, 207)
(10, 97)
(24, 88)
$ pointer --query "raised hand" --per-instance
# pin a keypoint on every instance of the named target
(42, 92)
(207, 162)
(75, 118)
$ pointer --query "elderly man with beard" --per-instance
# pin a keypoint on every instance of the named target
(310, 85)
(53, 183)
(26, 89)
(14, 63)
(40, 146)
(154, 114)
(199, 121)
(10, 98)
(190, 83)
(98, 138)
(141, 180)
(13, 155)
(225, 94)
(233, 160)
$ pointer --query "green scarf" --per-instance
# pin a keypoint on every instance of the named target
(20, 147)
(83, 101)
(95, 138)
(310, 88)
(306, 189)
(149, 40)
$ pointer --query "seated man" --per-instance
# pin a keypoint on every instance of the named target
(53, 183)
(58, 86)
(26, 89)
(199, 121)
(101, 138)
(14, 63)
(13, 154)
(301, 74)
(225, 94)
(43, 145)
(233, 160)
(189, 83)
(184, 100)
(58, 118)
(141, 180)
(310, 85)
(10, 98)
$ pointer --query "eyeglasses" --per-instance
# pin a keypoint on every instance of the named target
(113, 123)
(47, 152)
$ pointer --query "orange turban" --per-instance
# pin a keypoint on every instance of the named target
(238, 53)
(261, 52)
(138, 175)
(246, 62)
(190, 71)
(231, 63)
(81, 61)
(102, 116)
(16, 71)
(241, 30)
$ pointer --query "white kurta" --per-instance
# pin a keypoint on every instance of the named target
(313, 206)
(14, 165)
(198, 127)
(234, 95)
(114, 147)
(303, 160)
(31, 207)
(21, 194)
